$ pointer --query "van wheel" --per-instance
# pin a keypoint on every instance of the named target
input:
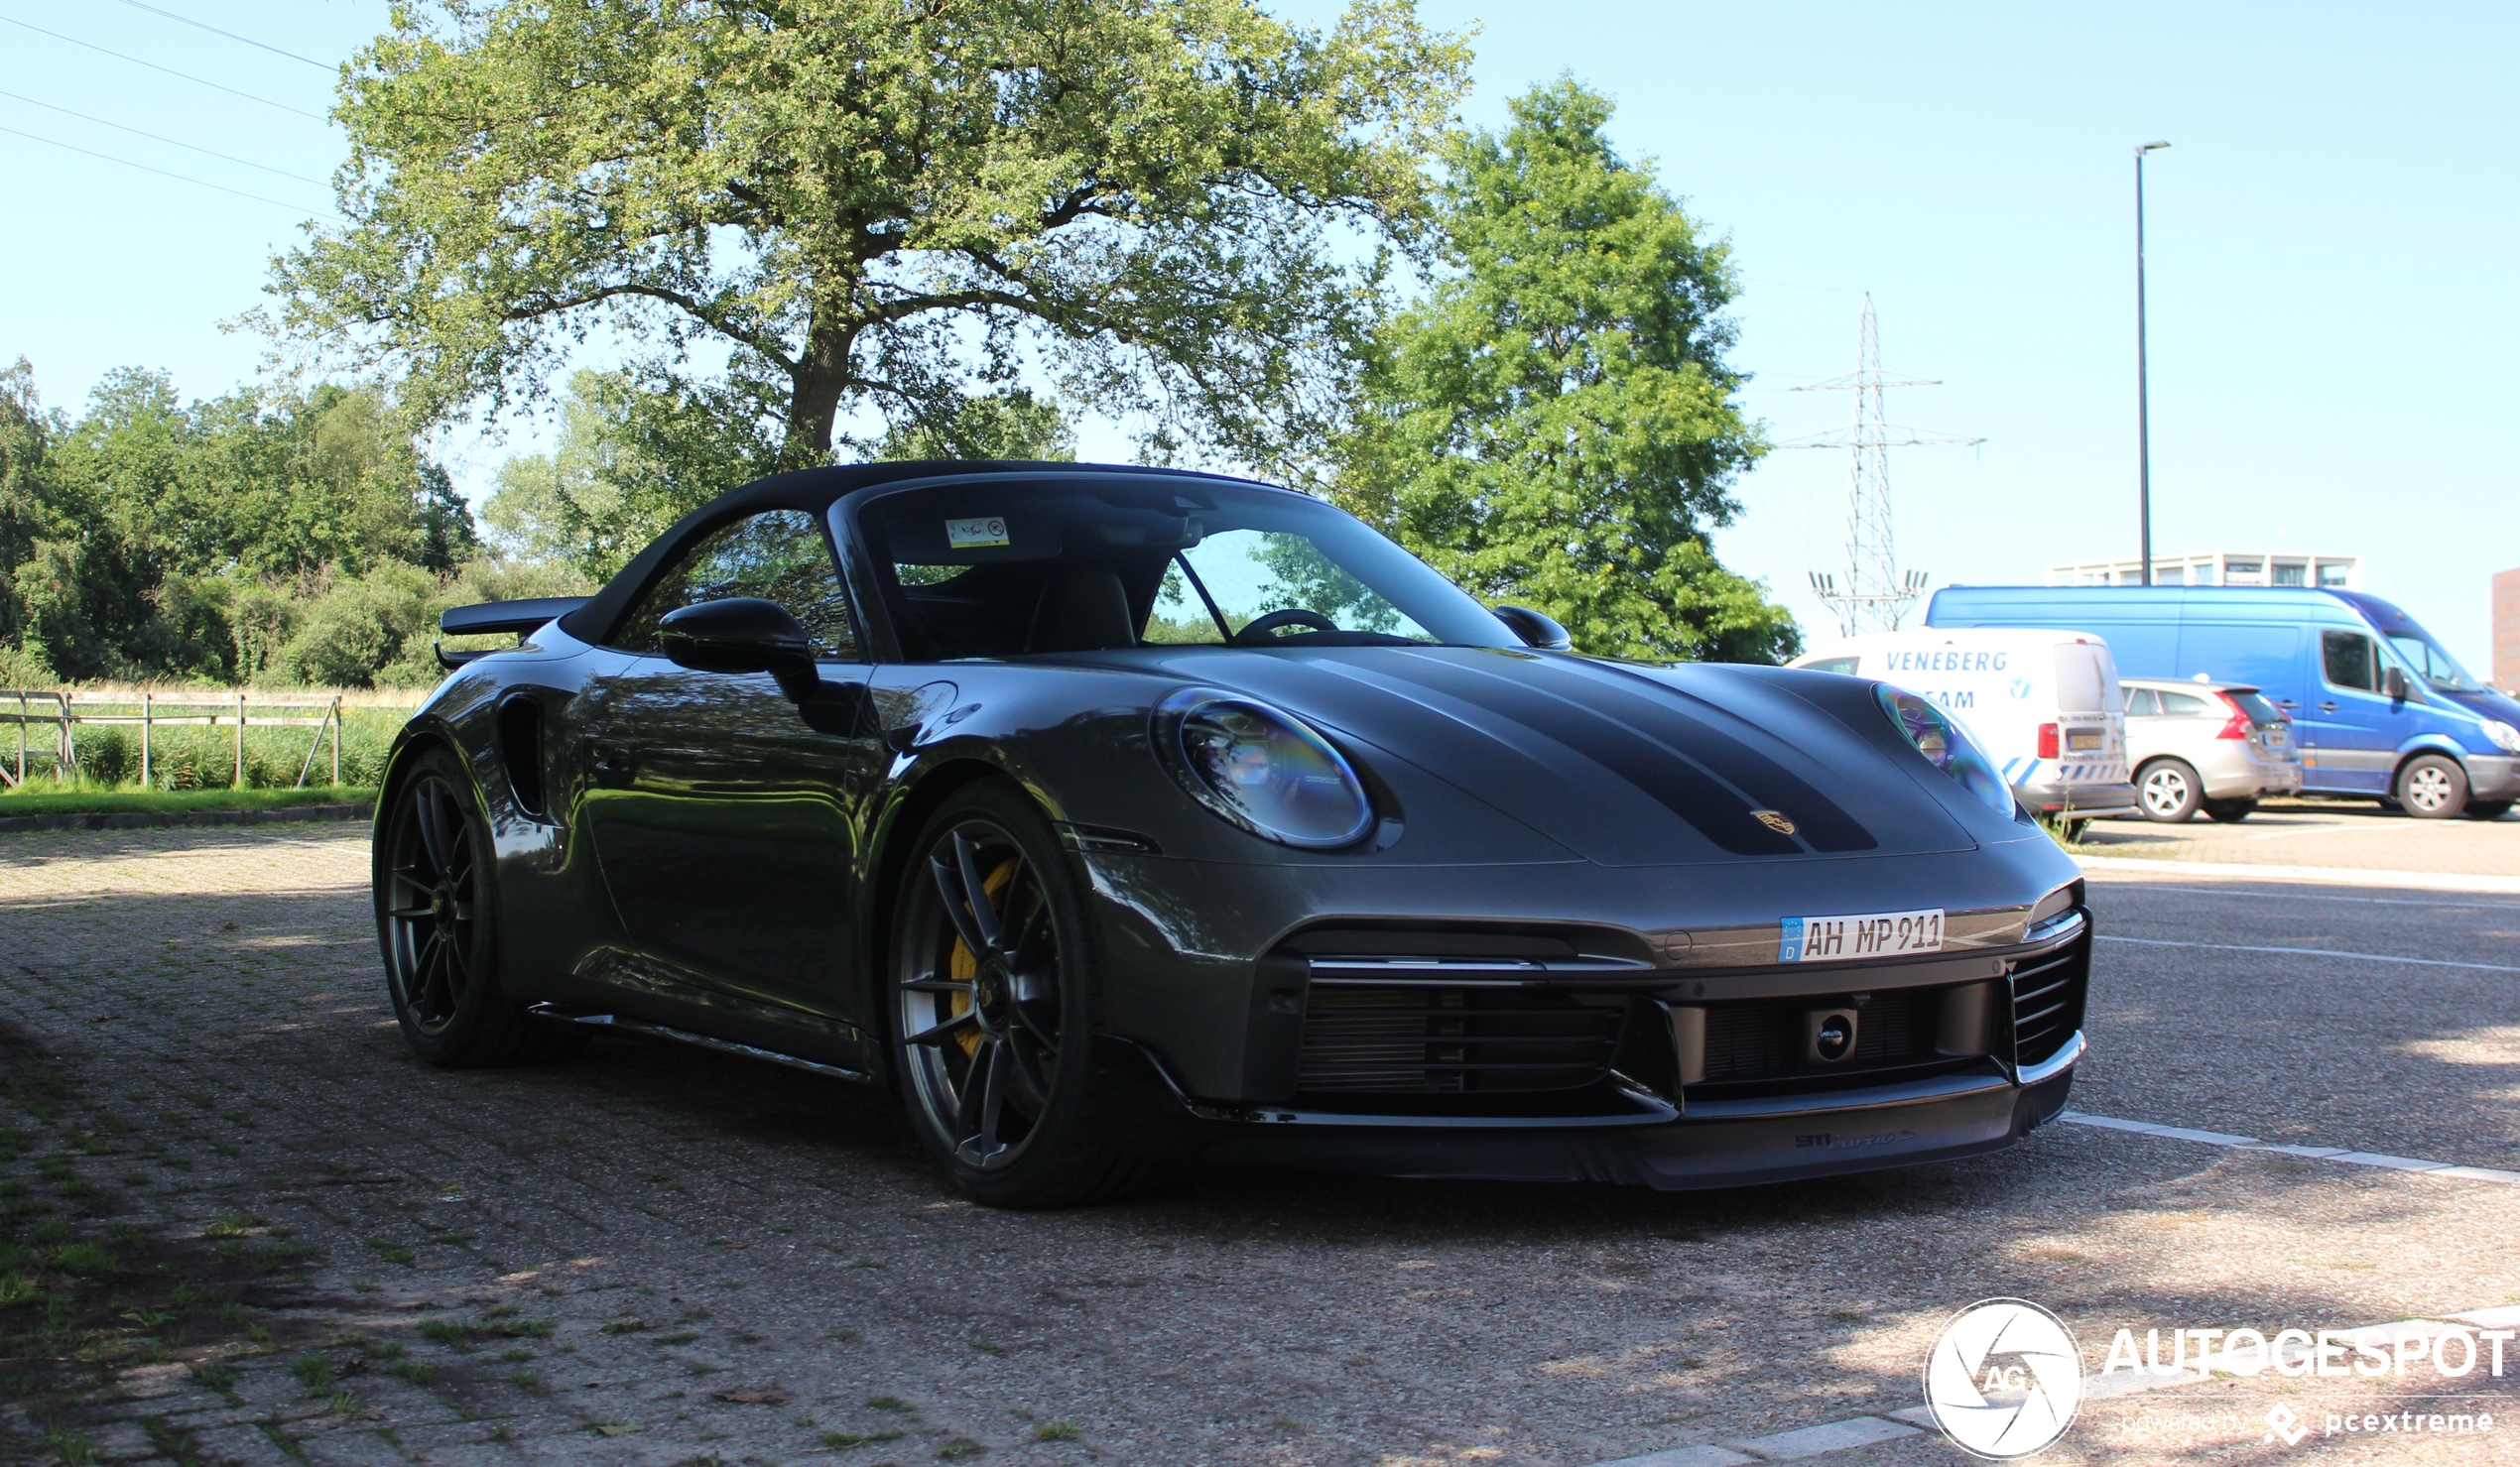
(2433, 787)
(2168, 791)
(2229, 811)
(2488, 809)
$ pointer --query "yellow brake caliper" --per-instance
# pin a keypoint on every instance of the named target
(964, 965)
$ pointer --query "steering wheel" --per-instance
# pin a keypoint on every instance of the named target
(1258, 628)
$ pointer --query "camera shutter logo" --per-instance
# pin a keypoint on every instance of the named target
(2005, 1379)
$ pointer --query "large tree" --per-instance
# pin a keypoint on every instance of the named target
(880, 205)
(1554, 423)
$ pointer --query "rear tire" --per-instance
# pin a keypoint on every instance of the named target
(993, 1008)
(2229, 811)
(2488, 809)
(437, 922)
(2168, 791)
(2433, 788)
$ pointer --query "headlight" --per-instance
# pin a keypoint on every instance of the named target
(1946, 747)
(1261, 770)
(2506, 737)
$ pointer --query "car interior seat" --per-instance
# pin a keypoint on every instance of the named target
(1082, 609)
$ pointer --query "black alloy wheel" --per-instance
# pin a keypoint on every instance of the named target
(436, 911)
(992, 1004)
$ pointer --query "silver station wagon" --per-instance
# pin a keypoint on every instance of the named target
(2216, 747)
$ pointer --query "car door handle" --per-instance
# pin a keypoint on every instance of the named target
(2328, 707)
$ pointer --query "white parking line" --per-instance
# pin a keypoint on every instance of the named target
(2369, 957)
(2303, 831)
(2344, 1155)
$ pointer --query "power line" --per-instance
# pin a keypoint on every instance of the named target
(170, 71)
(162, 172)
(172, 141)
(231, 35)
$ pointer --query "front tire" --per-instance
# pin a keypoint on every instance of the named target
(2229, 811)
(2168, 791)
(993, 1005)
(2433, 788)
(2488, 809)
(436, 919)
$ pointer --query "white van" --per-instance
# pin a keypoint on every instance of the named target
(2043, 704)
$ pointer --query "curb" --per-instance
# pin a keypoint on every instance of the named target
(147, 819)
(2347, 876)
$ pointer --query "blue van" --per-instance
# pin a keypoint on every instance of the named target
(2378, 709)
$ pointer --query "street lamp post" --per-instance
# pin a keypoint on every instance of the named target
(2143, 386)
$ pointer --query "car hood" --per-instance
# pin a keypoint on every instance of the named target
(1630, 765)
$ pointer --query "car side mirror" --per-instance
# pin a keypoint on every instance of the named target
(743, 634)
(746, 634)
(1536, 629)
(2393, 683)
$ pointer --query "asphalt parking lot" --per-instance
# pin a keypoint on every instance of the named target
(308, 1249)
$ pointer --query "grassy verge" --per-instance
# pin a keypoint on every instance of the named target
(48, 798)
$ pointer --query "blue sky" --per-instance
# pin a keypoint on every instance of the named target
(2331, 237)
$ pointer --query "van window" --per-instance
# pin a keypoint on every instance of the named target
(2141, 702)
(2079, 686)
(2350, 661)
(1846, 665)
(2184, 705)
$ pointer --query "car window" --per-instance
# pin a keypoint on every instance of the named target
(2184, 705)
(2142, 703)
(1846, 664)
(2254, 704)
(778, 555)
(2350, 661)
(1017, 568)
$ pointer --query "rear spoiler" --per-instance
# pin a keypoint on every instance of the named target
(494, 618)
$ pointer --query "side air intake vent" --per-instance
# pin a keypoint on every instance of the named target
(521, 753)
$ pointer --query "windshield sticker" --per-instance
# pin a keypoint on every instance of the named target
(963, 535)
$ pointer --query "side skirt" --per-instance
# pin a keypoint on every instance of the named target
(624, 1024)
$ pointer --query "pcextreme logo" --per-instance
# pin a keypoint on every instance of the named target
(2004, 1380)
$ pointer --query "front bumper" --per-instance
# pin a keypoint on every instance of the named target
(1672, 1073)
(2494, 776)
(1859, 1132)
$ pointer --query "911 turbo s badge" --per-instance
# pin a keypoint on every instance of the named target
(1774, 820)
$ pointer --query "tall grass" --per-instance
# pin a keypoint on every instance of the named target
(196, 755)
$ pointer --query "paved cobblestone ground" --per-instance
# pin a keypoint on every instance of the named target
(2350, 834)
(334, 1255)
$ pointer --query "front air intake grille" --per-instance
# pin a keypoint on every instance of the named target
(1413, 1040)
(2047, 1000)
(1764, 1041)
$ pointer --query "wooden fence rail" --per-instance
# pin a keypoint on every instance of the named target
(65, 715)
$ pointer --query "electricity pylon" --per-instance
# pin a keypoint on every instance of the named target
(1878, 593)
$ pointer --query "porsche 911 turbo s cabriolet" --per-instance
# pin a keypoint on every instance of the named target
(1115, 818)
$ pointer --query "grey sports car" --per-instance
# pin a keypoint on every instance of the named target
(1114, 819)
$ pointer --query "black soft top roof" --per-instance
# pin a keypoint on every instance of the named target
(814, 490)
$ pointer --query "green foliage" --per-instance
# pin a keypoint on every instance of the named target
(874, 209)
(1010, 425)
(1554, 423)
(259, 535)
(636, 452)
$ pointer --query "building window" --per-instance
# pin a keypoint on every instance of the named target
(2243, 572)
(2333, 572)
(2294, 574)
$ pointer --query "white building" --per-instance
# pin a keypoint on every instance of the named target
(2218, 568)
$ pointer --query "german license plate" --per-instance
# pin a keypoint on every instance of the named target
(1824, 939)
(2086, 738)
(2277, 736)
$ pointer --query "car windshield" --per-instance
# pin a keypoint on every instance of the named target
(2431, 662)
(1007, 568)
